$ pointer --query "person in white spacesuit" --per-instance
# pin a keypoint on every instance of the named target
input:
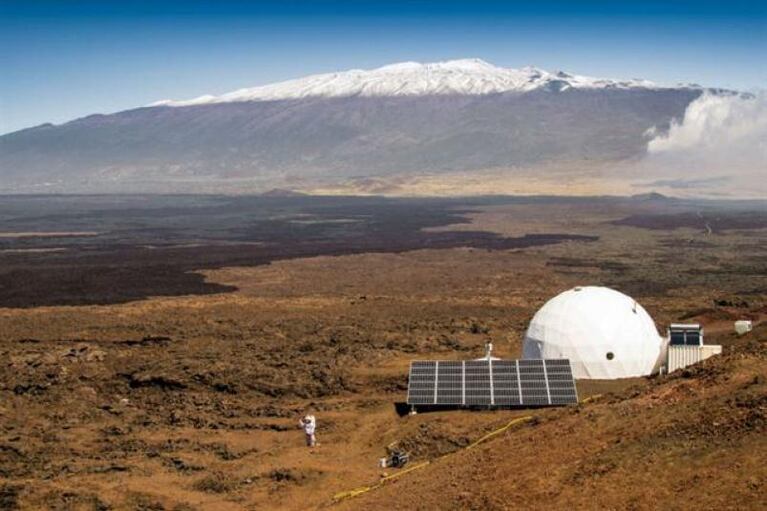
(309, 424)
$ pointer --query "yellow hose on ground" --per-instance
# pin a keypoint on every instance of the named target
(520, 420)
(403, 472)
(364, 489)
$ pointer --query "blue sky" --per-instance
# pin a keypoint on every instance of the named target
(63, 59)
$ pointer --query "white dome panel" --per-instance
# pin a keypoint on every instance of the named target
(604, 333)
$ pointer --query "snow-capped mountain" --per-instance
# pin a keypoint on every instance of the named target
(454, 77)
(403, 119)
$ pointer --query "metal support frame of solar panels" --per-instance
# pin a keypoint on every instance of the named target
(491, 383)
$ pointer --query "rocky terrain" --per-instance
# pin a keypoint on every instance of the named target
(183, 398)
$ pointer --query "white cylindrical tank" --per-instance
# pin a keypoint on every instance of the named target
(743, 326)
(604, 333)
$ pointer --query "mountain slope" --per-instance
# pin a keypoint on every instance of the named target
(276, 142)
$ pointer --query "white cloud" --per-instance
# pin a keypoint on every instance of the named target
(718, 132)
(721, 139)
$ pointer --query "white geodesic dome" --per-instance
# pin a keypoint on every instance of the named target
(604, 333)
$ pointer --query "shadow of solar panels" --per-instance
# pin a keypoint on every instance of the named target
(496, 383)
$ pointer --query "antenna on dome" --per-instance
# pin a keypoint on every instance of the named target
(489, 349)
(634, 308)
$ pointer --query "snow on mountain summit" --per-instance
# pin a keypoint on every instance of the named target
(464, 76)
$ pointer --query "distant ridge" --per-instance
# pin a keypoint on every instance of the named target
(650, 196)
(282, 192)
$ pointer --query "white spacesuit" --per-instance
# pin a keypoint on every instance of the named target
(309, 424)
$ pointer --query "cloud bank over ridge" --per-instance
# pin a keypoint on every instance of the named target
(719, 136)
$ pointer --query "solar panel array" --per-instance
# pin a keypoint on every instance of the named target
(500, 383)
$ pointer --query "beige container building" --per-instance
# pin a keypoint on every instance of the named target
(685, 346)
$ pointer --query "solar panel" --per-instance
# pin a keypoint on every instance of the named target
(491, 383)
(450, 383)
(422, 388)
(478, 385)
(532, 380)
(506, 390)
(559, 376)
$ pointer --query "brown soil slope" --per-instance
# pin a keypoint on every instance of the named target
(695, 439)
